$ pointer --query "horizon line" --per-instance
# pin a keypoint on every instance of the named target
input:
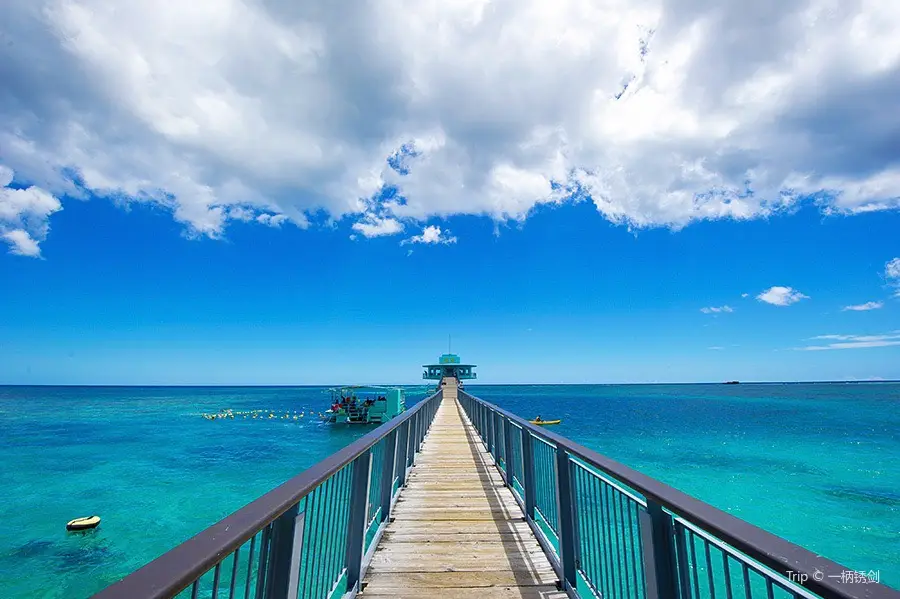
(299, 385)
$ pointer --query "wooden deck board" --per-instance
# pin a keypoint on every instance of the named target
(457, 532)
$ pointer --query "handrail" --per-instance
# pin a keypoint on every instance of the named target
(174, 571)
(797, 566)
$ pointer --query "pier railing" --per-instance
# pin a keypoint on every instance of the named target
(313, 536)
(615, 533)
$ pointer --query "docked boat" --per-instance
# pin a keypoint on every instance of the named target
(365, 404)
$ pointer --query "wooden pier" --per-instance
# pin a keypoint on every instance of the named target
(456, 530)
(418, 508)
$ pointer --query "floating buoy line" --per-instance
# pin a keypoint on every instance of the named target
(261, 415)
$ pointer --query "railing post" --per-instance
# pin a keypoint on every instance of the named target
(403, 449)
(492, 426)
(482, 423)
(387, 474)
(421, 436)
(413, 435)
(495, 444)
(565, 502)
(413, 439)
(281, 554)
(356, 523)
(657, 537)
(528, 472)
(507, 451)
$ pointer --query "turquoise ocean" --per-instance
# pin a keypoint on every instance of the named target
(818, 464)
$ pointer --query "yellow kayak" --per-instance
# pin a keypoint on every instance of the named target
(544, 422)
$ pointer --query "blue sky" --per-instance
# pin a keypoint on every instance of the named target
(274, 192)
(567, 297)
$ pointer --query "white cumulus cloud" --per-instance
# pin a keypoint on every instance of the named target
(892, 269)
(431, 234)
(892, 275)
(24, 215)
(659, 112)
(863, 307)
(781, 296)
(21, 243)
(372, 226)
(717, 309)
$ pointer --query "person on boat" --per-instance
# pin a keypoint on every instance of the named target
(538, 419)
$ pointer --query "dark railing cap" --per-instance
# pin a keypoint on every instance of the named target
(174, 570)
(770, 550)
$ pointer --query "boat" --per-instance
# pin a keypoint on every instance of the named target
(361, 404)
(732, 383)
(83, 523)
(544, 422)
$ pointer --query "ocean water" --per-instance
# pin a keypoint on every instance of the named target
(816, 464)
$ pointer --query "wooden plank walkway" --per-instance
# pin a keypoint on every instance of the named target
(457, 532)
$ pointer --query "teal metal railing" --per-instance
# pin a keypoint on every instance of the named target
(312, 537)
(615, 533)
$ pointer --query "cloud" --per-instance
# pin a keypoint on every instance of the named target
(431, 234)
(863, 307)
(892, 269)
(377, 227)
(781, 296)
(24, 215)
(716, 310)
(745, 295)
(716, 347)
(892, 275)
(659, 112)
(854, 341)
(21, 243)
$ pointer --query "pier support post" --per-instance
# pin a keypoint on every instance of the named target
(356, 522)
(568, 537)
(657, 538)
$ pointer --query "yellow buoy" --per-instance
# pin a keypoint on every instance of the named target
(83, 523)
